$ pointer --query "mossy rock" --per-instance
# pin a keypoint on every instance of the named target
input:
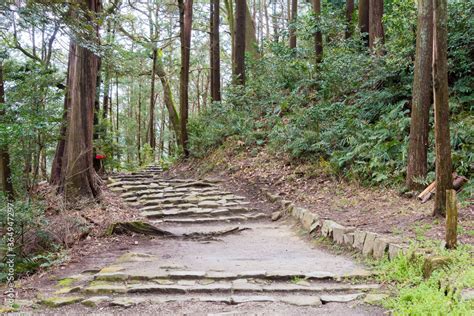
(61, 301)
(112, 268)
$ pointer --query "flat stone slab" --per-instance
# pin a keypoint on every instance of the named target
(96, 300)
(340, 298)
(303, 300)
(61, 301)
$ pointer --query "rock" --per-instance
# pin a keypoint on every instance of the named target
(284, 274)
(348, 239)
(6, 309)
(339, 232)
(164, 281)
(395, 250)
(95, 300)
(259, 274)
(369, 242)
(61, 301)
(380, 247)
(271, 197)
(105, 288)
(187, 274)
(315, 227)
(359, 238)
(308, 219)
(298, 212)
(302, 300)
(344, 298)
(111, 276)
(66, 290)
(320, 275)
(276, 215)
(135, 257)
(328, 226)
(433, 263)
(208, 204)
(221, 275)
(127, 301)
(467, 294)
(374, 298)
(255, 298)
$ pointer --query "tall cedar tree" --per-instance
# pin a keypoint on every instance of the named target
(422, 95)
(151, 116)
(5, 173)
(185, 23)
(349, 14)
(294, 15)
(318, 36)
(78, 177)
(215, 52)
(364, 19)
(444, 179)
(376, 32)
(240, 17)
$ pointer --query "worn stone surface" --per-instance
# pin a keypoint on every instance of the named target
(380, 247)
(61, 301)
(105, 289)
(338, 233)
(369, 243)
(359, 239)
(127, 301)
(328, 226)
(467, 294)
(340, 298)
(305, 300)
(395, 250)
(95, 300)
(276, 215)
(348, 239)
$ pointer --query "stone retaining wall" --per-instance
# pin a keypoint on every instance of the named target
(368, 243)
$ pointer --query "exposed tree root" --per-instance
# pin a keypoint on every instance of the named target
(143, 228)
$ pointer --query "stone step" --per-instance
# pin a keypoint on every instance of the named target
(200, 220)
(276, 275)
(237, 286)
(129, 300)
(192, 212)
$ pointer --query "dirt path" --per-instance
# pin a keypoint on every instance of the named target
(262, 268)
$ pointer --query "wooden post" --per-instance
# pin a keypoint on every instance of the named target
(451, 219)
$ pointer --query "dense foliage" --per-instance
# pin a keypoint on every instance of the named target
(351, 112)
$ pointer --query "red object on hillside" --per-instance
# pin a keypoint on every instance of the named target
(99, 157)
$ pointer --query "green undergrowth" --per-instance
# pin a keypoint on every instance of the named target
(351, 113)
(440, 294)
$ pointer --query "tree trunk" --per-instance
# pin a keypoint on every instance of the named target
(422, 94)
(292, 30)
(78, 178)
(168, 98)
(186, 19)
(139, 121)
(240, 17)
(215, 52)
(349, 14)
(444, 179)
(251, 44)
(318, 36)
(376, 32)
(96, 162)
(5, 173)
(58, 161)
(151, 115)
(364, 19)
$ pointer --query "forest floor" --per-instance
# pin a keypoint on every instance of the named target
(265, 268)
(380, 210)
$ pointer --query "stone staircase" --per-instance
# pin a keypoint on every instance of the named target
(268, 262)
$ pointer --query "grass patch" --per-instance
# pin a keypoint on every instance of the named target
(437, 295)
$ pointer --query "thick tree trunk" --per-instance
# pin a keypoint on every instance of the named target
(5, 173)
(240, 17)
(215, 52)
(422, 95)
(376, 32)
(151, 115)
(364, 19)
(444, 179)
(78, 177)
(318, 36)
(251, 43)
(139, 123)
(349, 14)
(294, 16)
(186, 19)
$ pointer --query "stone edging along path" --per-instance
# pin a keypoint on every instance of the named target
(370, 244)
